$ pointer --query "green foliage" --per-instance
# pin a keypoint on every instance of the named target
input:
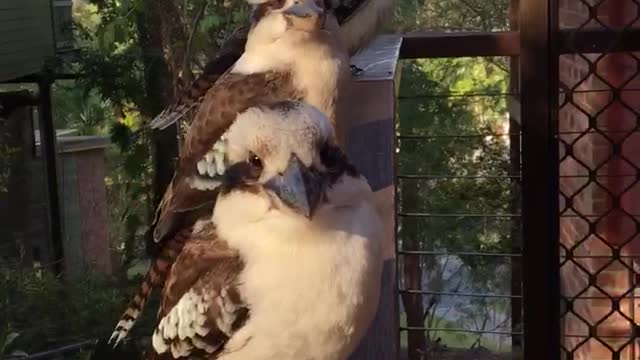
(7, 341)
(429, 111)
(465, 167)
(81, 109)
(451, 15)
(39, 312)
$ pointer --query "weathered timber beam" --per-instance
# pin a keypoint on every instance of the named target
(438, 45)
(507, 43)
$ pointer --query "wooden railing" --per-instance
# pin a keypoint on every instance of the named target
(534, 51)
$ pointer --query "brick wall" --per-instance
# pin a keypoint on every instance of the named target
(84, 203)
(93, 202)
(596, 225)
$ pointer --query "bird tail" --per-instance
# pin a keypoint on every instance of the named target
(154, 278)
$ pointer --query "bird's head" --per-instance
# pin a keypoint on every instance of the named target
(282, 160)
(287, 8)
(273, 18)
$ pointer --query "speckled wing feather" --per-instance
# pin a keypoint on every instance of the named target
(201, 307)
(234, 94)
(187, 104)
(231, 95)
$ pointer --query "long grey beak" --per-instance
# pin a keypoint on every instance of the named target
(303, 8)
(298, 187)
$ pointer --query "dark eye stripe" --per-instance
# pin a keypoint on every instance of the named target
(241, 174)
(336, 162)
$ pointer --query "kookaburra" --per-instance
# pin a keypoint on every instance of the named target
(353, 22)
(288, 56)
(288, 266)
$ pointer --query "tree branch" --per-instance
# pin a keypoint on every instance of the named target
(187, 74)
(497, 64)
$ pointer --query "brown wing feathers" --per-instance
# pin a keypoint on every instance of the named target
(202, 283)
(233, 94)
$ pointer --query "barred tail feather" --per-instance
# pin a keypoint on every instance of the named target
(154, 278)
(130, 315)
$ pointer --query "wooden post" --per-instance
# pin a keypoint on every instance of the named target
(48, 148)
(370, 144)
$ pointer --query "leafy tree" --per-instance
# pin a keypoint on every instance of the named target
(450, 15)
(135, 56)
(38, 312)
(461, 179)
(455, 167)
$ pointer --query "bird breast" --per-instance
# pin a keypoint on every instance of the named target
(320, 79)
(312, 293)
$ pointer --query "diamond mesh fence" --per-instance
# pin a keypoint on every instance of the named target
(599, 148)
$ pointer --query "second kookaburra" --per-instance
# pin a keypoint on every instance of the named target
(288, 57)
(353, 23)
(288, 266)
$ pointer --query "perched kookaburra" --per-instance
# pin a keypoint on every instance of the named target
(353, 22)
(288, 267)
(288, 56)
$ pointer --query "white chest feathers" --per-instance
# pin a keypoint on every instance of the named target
(312, 290)
(316, 63)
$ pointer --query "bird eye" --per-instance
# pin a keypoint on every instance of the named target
(255, 161)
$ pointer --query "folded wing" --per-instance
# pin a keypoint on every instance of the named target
(201, 307)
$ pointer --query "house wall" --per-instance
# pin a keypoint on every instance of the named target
(595, 222)
(26, 39)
